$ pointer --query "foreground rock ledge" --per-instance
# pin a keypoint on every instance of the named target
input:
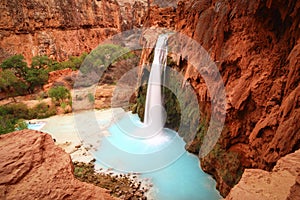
(33, 167)
(283, 183)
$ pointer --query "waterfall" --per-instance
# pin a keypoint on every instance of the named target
(153, 115)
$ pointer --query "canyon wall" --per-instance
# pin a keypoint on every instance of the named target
(256, 46)
(63, 28)
(281, 183)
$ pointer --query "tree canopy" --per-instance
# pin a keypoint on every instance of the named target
(17, 78)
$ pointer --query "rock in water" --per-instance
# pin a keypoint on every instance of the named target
(32, 167)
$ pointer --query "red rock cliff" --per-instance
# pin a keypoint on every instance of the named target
(283, 182)
(256, 45)
(33, 167)
(63, 28)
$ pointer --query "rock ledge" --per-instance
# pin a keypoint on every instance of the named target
(280, 184)
(32, 167)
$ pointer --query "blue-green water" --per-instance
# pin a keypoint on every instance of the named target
(36, 126)
(175, 173)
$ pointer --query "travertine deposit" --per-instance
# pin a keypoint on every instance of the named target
(256, 47)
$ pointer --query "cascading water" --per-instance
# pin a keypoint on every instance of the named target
(156, 152)
(153, 115)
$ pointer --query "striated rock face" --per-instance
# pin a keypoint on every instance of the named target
(32, 167)
(62, 28)
(281, 183)
(256, 46)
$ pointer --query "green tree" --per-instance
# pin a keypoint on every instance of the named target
(37, 74)
(36, 78)
(17, 64)
(59, 94)
(11, 84)
(41, 62)
(12, 76)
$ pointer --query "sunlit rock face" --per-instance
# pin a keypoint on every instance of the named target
(281, 183)
(33, 167)
(60, 29)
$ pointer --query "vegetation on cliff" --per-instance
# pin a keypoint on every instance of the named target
(220, 157)
(17, 78)
(256, 47)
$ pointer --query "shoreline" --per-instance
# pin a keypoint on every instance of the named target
(63, 130)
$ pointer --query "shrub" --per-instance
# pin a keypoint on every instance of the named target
(41, 62)
(74, 62)
(17, 110)
(10, 116)
(16, 63)
(41, 110)
(91, 98)
(21, 125)
(11, 84)
(59, 94)
(63, 105)
(6, 124)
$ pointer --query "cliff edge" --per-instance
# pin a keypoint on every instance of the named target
(33, 167)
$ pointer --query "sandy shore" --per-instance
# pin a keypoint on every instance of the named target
(64, 130)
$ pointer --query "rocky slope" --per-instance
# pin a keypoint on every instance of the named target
(29, 160)
(281, 183)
